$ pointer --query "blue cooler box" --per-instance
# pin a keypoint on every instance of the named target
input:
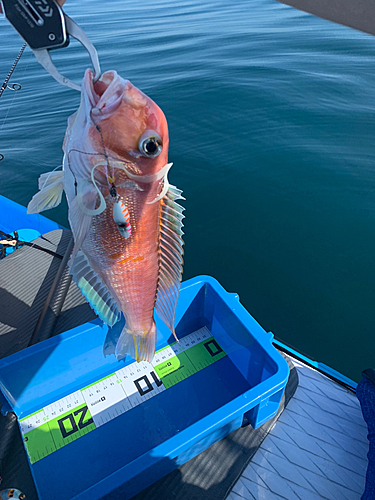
(93, 425)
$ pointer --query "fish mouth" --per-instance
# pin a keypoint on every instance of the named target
(106, 95)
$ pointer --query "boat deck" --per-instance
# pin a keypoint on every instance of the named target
(317, 448)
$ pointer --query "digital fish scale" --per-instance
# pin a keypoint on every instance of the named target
(94, 426)
(73, 416)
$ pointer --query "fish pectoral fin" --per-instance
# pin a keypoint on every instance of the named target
(50, 192)
(170, 257)
(94, 290)
(139, 347)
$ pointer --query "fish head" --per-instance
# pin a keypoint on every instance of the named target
(126, 123)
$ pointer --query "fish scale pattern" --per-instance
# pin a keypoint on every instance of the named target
(316, 450)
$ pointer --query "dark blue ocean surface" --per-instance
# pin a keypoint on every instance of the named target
(272, 134)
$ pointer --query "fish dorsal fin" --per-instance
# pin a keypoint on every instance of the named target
(170, 256)
(94, 290)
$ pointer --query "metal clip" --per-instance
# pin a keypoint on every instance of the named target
(44, 58)
(44, 27)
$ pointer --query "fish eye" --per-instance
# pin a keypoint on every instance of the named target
(150, 144)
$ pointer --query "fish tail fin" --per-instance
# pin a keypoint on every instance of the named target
(49, 195)
(139, 347)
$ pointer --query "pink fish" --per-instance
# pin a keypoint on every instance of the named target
(126, 224)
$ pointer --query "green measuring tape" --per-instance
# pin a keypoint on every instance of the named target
(73, 416)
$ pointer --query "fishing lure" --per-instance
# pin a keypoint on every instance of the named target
(122, 218)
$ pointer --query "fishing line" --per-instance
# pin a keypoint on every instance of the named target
(14, 87)
(115, 158)
(119, 164)
(70, 168)
(5, 84)
(111, 181)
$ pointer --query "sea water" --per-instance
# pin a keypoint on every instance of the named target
(272, 126)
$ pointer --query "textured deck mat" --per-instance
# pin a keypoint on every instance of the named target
(317, 449)
(212, 474)
(26, 277)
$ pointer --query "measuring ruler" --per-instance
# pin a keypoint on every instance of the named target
(73, 416)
